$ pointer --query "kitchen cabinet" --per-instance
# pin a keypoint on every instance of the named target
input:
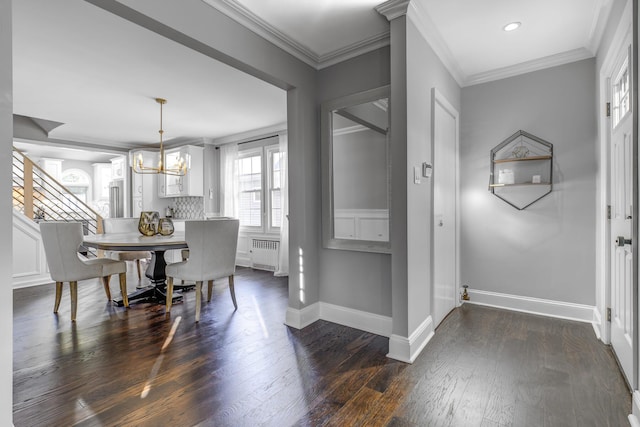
(192, 184)
(117, 168)
(143, 187)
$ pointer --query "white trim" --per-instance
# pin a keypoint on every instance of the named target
(408, 349)
(349, 130)
(635, 409)
(438, 98)
(602, 176)
(544, 307)
(529, 66)
(429, 31)
(599, 23)
(597, 325)
(245, 17)
(393, 9)
(357, 319)
(40, 275)
(303, 317)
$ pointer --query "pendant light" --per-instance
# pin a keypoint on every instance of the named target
(179, 169)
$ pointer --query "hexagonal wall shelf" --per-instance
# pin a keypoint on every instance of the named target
(521, 169)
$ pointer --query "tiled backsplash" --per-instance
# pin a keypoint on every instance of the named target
(188, 207)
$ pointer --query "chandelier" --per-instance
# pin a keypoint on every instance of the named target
(179, 169)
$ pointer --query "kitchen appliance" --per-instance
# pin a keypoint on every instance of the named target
(116, 198)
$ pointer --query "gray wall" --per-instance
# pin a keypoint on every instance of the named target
(547, 250)
(6, 229)
(357, 280)
(359, 170)
(196, 25)
(424, 72)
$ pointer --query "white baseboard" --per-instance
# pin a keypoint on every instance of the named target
(29, 281)
(362, 320)
(635, 409)
(558, 309)
(407, 349)
(304, 317)
(357, 319)
(597, 324)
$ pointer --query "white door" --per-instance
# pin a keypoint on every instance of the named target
(621, 226)
(445, 142)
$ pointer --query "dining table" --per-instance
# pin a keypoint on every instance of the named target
(157, 245)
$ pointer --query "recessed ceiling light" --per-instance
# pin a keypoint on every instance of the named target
(512, 26)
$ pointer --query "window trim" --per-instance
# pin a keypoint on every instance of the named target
(265, 152)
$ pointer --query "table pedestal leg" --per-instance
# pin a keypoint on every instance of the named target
(156, 274)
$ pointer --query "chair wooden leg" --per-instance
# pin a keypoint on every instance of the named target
(169, 297)
(58, 296)
(73, 287)
(233, 292)
(138, 266)
(209, 290)
(105, 283)
(123, 289)
(198, 299)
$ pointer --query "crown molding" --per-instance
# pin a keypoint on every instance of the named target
(253, 22)
(353, 50)
(602, 10)
(393, 9)
(429, 31)
(529, 66)
(239, 13)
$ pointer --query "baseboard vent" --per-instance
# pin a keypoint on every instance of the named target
(264, 254)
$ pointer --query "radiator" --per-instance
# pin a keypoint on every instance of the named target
(264, 254)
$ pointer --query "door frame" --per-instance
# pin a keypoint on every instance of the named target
(602, 327)
(438, 98)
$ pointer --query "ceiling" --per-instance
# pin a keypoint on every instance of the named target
(98, 74)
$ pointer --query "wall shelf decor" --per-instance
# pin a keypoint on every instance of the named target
(521, 169)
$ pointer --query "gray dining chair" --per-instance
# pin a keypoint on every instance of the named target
(61, 241)
(212, 256)
(125, 225)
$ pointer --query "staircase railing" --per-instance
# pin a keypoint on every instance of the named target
(40, 197)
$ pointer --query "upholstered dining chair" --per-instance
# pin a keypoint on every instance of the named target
(125, 225)
(212, 256)
(61, 241)
(185, 252)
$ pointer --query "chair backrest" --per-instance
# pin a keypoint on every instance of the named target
(120, 225)
(61, 241)
(212, 247)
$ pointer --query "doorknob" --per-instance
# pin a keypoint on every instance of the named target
(621, 241)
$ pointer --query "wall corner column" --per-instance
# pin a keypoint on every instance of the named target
(406, 341)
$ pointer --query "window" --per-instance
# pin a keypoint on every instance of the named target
(260, 180)
(77, 182)
(250, 180)
(621, 98)
(275, 184)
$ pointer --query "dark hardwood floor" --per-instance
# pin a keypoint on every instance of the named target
(484, 367)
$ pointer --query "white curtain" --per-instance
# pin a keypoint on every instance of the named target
(229, 180)
(283, 256)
